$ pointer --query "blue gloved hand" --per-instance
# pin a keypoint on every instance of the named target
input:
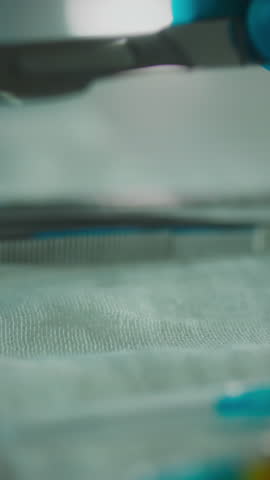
(257, 15)
(258, 22)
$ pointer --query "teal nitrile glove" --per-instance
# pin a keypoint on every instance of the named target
(186, 11)
(258, 21)
(257, 13)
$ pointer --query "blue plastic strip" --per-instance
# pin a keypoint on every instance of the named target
(186, 11)
(91, 232)
(113, 231)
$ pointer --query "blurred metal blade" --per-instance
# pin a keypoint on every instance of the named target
(205, 44)
(60, 67)
(70, 58)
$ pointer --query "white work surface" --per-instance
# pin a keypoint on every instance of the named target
(183, 134)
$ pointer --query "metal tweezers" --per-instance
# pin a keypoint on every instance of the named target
(60, 67)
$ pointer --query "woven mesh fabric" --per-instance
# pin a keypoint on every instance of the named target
(59, 311)
(80, 341)
(186, 310)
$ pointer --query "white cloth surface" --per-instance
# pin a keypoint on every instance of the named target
(84, 349)
(76, 341)
(141, 136)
